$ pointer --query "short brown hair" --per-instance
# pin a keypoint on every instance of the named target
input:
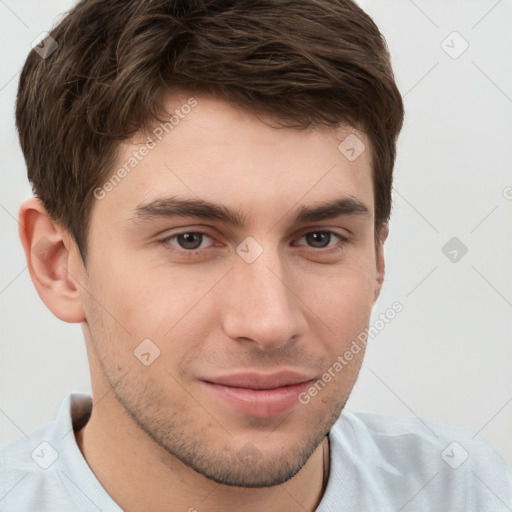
(306, 63)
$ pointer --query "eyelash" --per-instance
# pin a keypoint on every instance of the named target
(195, 252)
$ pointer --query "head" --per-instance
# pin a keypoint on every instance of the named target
(153, 122)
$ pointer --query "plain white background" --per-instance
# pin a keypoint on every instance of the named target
(448, 354)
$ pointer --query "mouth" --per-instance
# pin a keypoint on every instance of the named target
(259, 395)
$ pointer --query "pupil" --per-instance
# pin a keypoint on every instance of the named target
(322, 238)
(191, 240)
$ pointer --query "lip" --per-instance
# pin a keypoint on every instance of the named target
(256, 394)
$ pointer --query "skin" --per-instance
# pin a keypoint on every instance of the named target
(156, 439)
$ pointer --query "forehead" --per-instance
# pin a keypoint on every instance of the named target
(210, 150)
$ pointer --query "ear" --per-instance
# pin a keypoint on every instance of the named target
(380, 264)
(48, 251)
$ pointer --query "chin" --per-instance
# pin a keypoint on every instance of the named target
(250, 468)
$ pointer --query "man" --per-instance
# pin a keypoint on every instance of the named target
(213, 186)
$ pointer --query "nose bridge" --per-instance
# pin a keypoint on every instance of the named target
(261, 305)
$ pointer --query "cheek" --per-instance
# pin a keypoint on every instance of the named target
(343, 298)
(148, 299)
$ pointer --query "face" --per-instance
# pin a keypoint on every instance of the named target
(220, 288)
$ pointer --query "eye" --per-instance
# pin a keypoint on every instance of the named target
(188, 240)
(322, 239)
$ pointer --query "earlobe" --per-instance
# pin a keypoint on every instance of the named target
(380, 263)
(48, 256)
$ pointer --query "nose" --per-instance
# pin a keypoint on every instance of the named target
(262, 306)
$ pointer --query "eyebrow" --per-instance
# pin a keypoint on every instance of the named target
(169, 207)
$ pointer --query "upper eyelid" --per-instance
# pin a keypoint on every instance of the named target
(325, 230)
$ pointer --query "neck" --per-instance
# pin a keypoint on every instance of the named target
(140, 475)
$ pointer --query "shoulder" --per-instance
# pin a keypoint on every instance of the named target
(24, 470)
(34, 467)
(429, 460)
(399, 432)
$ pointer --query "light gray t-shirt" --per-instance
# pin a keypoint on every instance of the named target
(378, 464)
